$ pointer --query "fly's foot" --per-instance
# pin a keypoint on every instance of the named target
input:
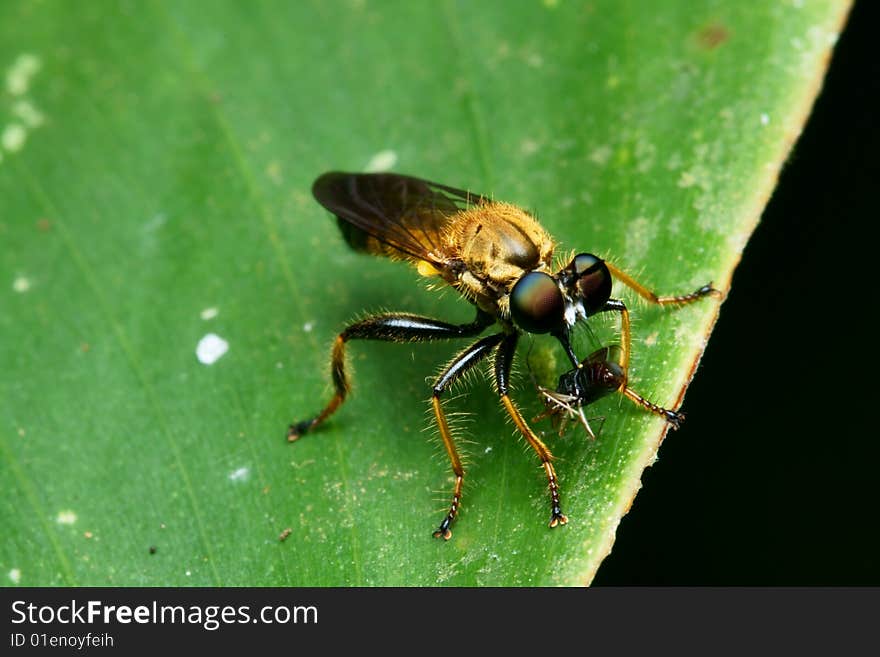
(443, 530)
(298, 430)
(675, 418)
(557, 517)
(709, 291)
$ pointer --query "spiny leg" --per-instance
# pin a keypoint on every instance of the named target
(652, 297)
(503, 362)
(389, 327)
(622, 375)
(615, 305)
(674, 418)
(462, 363)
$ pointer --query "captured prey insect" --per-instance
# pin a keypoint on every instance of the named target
(597, 376)
(498, 257)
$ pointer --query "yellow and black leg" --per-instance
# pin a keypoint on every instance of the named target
(675, 418)
(652, 297)
(614, 305)
(656, 299)
(461, 364)
(388, 327)
(503, 361)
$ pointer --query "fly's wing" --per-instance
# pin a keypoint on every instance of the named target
(392, 215)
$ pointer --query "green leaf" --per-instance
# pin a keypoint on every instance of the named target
(155, 174)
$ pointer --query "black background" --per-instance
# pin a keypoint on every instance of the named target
(772, 480)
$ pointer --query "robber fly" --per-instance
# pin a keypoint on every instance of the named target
(498, 257)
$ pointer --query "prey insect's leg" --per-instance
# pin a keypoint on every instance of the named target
(462, 363)
(503, 361)
(562, 408)
(389, 327)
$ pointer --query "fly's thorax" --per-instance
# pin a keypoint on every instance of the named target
(498, 243)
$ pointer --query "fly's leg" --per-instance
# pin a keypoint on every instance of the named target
(651, 297)
(462, 363)
(614, 305)
(389, 327)
(675, 418)
(503, 361)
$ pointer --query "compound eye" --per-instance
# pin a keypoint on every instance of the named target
(584, 261)
(536, 304)
(593, 282)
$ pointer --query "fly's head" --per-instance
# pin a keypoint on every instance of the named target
(554, 303)
(586, 285)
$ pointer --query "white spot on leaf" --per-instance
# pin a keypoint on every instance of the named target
(156, 222)
(600, 155)
(18, 79)
(21, 284)
(529, 146)
(15, 575)
(13, 137)
(687, 179)
(646, 154)
(66, 517)
(241, 474)
(209, 313)
(534, 60)
(273, 170)
(381, 161)
(30, 115)
(18, 76)
(211, 348)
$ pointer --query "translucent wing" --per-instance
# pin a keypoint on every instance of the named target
(392, 215)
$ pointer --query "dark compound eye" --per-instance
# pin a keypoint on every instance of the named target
(583, 261)
(536, 304)
(593, 282)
